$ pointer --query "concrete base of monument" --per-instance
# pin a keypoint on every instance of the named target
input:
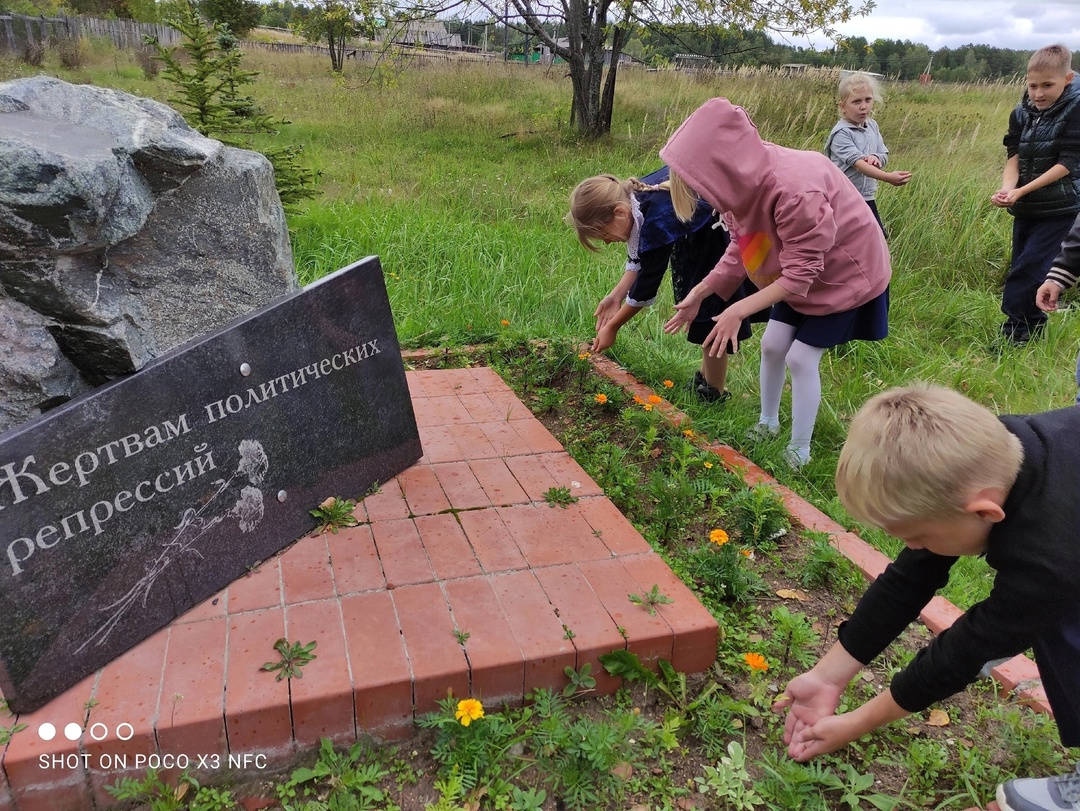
(463, 542)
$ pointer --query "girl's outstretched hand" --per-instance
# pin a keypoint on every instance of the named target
(605, 338)
(685, 313)
(724, 333)
(607, 308)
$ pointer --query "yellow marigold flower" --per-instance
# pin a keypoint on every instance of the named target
(583, 356)
(469, 710)
(647, 406)
(668, 384)
(708, 465)
(688, 434)
(718, 537)
(505, 323)
(655, 398)
(601, 398)
(756, 661)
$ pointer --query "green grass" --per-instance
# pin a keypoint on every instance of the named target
(457, 178)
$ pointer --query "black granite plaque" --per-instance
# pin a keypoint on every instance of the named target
(123, 509)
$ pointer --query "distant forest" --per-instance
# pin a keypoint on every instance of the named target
(653, 45)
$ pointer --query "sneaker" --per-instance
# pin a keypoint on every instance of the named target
(762, 432)
(708, 393)
(795, 458)
(1060, 793)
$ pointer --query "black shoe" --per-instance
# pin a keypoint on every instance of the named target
(708, 393)
(1020, 335)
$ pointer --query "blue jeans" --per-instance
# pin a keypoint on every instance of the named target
(1035, 245)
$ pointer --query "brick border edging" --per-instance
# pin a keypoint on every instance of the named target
(1019, 674)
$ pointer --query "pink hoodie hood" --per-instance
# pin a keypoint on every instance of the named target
(719, 152)
(795, 219)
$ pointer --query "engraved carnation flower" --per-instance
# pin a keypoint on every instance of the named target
(248, 509)
(253, 461)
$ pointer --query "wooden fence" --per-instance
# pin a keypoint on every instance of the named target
(17, 31)
(396, 55)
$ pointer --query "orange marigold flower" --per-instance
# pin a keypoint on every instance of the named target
(469, 710)
(505, 323)
(668, 384)
(601, 398)
(638, 400)
(747, 553)
(583, 356)
(655, 398)
(718, 537)
(756, 661)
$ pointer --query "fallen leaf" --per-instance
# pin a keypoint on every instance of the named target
(792, 594)
(938, 718)
(685, 804)
(866, 675)
(624, 771)
(915, 730)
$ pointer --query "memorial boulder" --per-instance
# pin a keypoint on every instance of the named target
(123, 234)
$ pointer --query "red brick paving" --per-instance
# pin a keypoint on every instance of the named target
(461, 543)
(460, 578)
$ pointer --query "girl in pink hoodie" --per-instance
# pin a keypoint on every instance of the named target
(802, 234)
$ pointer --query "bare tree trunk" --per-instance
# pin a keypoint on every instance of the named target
(337, 48)
(607, 101)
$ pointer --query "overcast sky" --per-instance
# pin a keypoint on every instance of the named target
(1020, 24)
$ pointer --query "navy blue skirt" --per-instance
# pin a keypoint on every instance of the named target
(692, 257)
(869, 322)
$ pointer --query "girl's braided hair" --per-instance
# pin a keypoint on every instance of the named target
(593, 202)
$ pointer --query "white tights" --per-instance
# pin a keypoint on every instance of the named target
(779, 349)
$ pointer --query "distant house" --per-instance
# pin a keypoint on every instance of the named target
(692, 62)
(422, 34)
(795, 67)
(544, 54)
(879, 76)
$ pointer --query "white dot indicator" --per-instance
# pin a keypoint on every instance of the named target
(46, 731)
(72, 731)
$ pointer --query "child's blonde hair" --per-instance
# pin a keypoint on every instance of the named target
(683, 199)
(919, 453)
(593, 202)
(851, 83)
(1053, 59)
